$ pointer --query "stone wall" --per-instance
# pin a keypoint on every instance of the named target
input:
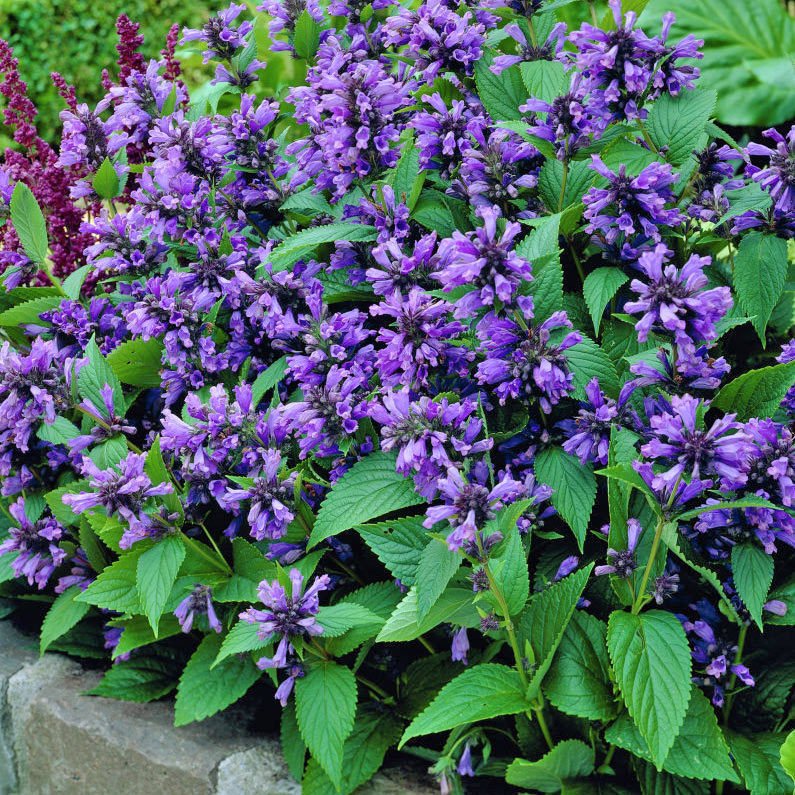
(56, 741)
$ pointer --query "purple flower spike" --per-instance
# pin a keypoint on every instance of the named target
(623, 563)
(198, 602)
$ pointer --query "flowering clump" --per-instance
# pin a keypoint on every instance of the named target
(435, 378)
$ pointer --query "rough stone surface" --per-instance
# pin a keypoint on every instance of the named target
(56, 741)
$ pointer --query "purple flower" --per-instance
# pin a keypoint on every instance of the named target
(469, 504)
(198, 601)
(778, 177)
(460, 646)
(788, 355)
(283, 16)
(680, 443)
(485, 261)
(523, 363)
(106, 423)
(675, 300)
(36, 545)
(81, 574)
(631, 205)
(464, 767)
(288, 615)
(681, 370)
(124, 491)
(271, 499)
(623, 563)
(396, 271)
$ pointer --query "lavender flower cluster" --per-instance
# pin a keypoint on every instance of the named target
(454, 343)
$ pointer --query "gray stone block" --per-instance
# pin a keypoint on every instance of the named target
(256, 771)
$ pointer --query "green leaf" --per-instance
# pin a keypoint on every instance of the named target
(437, 566)
(651, 659)
(579, 178)
(398, 545)
(750, 197)
(29, 223)
(699, 750)
(29, 311)
(63, 614)
(510, 570)
(578, 682)
(654, 783)
(545, 80)
(114, 588)
(106, 182)
(677, 123)
(63, 513)
(752, 570)
(784, 593)
(337, 619)
(137, 633)
(630, 155)
(204, 690)
(760, 273)
(574, 488)
(599, 289)
(404, 624)
(568, 760)
(251, 567)
(157, 570)
(758, 757)
(303, 243)
(242, 638)
(139, 679)
(157, 471)
(325, 704)
(61, 431)
(372, 736)
(267, 380)
(479, 693)
(306, 37)
(73, 283)
(587, 360)
(758, 393)
(541, 248)
(137, 362)
(500, 94)
(406, 178)
(787, 755)
(292, 746)
(94, 376)
(433, 212)
(544, 622)
(733, 55)
(369, 489)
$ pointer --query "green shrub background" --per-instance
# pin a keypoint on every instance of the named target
(78, 39)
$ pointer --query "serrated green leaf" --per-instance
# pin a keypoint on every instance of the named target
(757, 393)
(479, 693)
(61, 431)
(758, 757)
(203, 690)
(599, 289)
(404, 623)
(303, 243)
(325, 703)
(676, 124)
(500, 94)
(398, 545)
(783, 593)
(63, 614)
(267, 380)
(337, 619)
(73, 283)
(106, 182)
(510, 572)
(578, 682)
(760, 273)
(750, 197)
(787, 755)
(579, 177)
(544, 80)
(242, 638)
(137, 362)
(138, 633)
(94, 376)
(306, 37)
(569, 759)
(114, 588)
(574, 488)
(586, 360)
(369, 489)
(752, 570)
(140, 679)
(293, 747)
(156, 572)
(29, 223)
(29, 311)
(406, 178)
(436, 568)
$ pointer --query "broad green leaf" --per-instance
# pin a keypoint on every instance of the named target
(139, 679)
(752, 570)
(325, 704)
(586, 360)
(545, 80)
(29, 311)
(94, 376)
(787, 755)
(369, 489)
(757, 393)
(574, 488)
(63, 614)
(568, 760)
(61, 431)
(157, 471)
(156, 572)
(750, 197)
(580, 176)
(783, 593)
(106, 182)
(267, 380)
(292, 746)
(242, 638)
(251, 567)
(337, 619)
(653, 782)
(510, 570)
(138, 633)
(114, 588)
(137, 362)
(633, 157)
(599, 289)
(479, 693)
(63, 513)
(406, 179)
(73, 283)
(676, 124)
(398, 545)
(541, 248)
(758, 757)
(203, 690)
(578, 682)
(404, 624)
(501, 94)
(760, 273)
(699, 749)
(437, 566)
(306, 36)
(651, 660)
(303, 243)
(544, 621)
(29, 223)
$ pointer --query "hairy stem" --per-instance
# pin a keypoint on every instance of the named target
(655, 545)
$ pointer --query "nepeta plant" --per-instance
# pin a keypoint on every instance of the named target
(445, 396)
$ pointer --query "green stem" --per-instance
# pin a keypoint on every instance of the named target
(738, 658)
(214, 545)
(538, 711)
(655, 545)
(426, 643)
(609, 756)
(646, 138)
(532, 30)
(373, 686)
(201, 550)
(594, 18)
(577, 261)
(563, 182)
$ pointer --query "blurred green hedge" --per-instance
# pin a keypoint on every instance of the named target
(78, 39)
